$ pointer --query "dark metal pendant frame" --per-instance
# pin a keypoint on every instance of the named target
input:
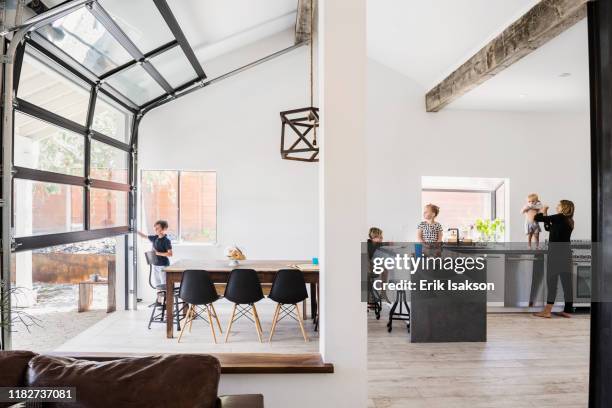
(302, 124)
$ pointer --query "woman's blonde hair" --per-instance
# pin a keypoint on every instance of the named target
(375, 232)
(434, 209)
(567, 208)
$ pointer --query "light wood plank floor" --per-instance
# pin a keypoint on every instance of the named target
(527, 362)
(126, 332)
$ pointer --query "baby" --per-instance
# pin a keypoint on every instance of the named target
(532, 228)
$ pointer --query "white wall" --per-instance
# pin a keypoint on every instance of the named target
(547, 153)
(266, 205)
(270, 206)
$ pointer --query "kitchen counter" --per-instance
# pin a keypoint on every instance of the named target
(517, 248)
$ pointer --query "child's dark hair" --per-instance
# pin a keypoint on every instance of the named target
(162, 223)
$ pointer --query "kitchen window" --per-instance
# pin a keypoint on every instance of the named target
(186, 199)
(463, 200)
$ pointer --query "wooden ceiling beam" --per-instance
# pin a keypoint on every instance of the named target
(541, 23)
(302, 21)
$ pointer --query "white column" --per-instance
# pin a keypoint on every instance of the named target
(342, 86)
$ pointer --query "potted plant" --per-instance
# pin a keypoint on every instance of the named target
(489, 230)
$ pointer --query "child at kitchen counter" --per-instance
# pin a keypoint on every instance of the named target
(532, 227)
(375, 239)
(429, 230)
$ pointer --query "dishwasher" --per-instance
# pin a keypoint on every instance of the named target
(524, 276)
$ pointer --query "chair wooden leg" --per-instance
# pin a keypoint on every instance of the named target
(257, 324)
(216, 318)
(229, 326)
(301, 322)
(192, 318)
(187, 321)
(274, 319)
(212, 326)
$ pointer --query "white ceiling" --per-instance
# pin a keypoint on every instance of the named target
(553, 78)
(215, 27)
(427, 40)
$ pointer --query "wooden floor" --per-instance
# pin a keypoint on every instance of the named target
(527, 362)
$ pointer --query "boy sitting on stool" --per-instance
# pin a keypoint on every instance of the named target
(163, 249)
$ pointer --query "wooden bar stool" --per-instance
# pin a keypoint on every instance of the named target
(158, 314)
(244, 290)
(288, 289)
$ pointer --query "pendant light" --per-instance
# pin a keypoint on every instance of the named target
(299, 126)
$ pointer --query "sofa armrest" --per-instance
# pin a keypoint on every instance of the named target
(241, 401)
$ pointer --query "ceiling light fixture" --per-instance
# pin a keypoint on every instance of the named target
(303, 122)
(565, 74)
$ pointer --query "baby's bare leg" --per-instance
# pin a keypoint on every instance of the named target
(529, 238)
(536, 236)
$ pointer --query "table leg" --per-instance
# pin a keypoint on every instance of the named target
(313, 300)
(85, 296)
(170, 305)
(304, 313)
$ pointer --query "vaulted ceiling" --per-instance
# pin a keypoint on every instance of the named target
(427, 40)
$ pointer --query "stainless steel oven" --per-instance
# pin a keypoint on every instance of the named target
(581, 276)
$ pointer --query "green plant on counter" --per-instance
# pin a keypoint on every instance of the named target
(489, 230)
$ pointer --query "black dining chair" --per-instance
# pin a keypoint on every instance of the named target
(198, 291)
(160, 298)
(244, 290)
(288, 289)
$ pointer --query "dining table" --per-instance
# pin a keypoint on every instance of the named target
(219, 271)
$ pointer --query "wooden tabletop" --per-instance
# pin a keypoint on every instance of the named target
(259, 265)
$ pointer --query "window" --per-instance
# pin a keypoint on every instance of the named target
(459, 209)
(60, 94)
(136, 84)
(108, 163)
(42, 146)
(109, 208)
(463, 200)
(46, 200)
(111, 120)
(86, 40)
(47, 208)
(186, 199)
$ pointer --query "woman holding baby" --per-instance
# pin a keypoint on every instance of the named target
(559, 260)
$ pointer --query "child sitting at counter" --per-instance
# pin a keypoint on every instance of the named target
(375, 239)
(429, 230)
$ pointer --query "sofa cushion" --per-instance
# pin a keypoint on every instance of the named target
(179, 380)
(13, 367)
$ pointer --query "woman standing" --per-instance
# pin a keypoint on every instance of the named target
(559, 262)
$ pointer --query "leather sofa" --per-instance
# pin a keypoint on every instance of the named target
(176, 380)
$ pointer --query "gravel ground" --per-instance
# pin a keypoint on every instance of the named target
(57, 317)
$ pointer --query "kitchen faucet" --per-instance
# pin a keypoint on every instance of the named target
(455, 229)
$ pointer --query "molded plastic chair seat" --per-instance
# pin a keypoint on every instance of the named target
(244, 290)
(198, 290)
(288, 289)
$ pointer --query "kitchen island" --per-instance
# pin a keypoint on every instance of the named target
(446, 308)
